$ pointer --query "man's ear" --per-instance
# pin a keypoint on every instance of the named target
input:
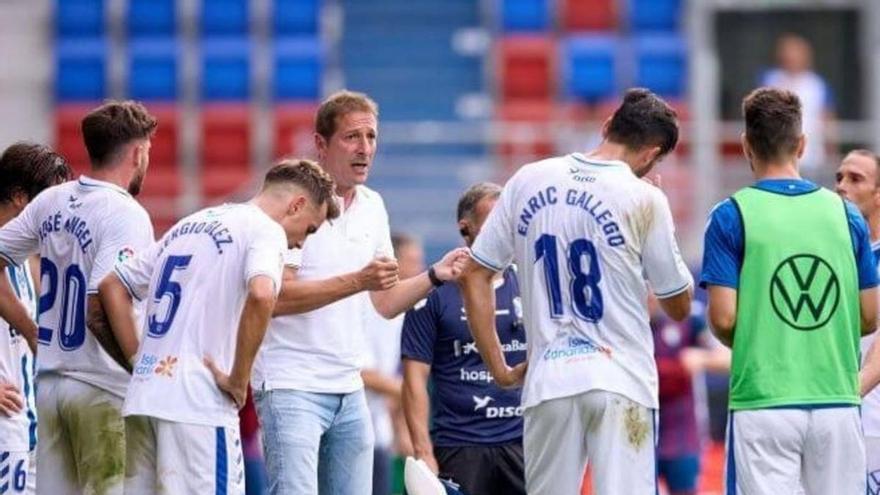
(747, 150)
(320, 145)
(19, 200)
(801, 146)
(297, 203)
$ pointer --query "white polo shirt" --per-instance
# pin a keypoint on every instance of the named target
(322, 351)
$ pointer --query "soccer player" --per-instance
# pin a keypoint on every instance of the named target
(584, 230)
(81, 229)
(477, 426)
(25, 170)
(791, 281)
(210, 284)
(858, 181)
(307, 383)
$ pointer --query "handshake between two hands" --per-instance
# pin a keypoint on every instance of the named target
(383, 272)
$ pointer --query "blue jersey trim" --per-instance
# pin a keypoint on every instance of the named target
(673, 292)
(731, 458)
(32, 418)
(127, 284)
(5, 257)
(485, 263)
(221, 465)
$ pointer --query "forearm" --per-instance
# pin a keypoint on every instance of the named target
(403, 296)
(869, 376)
(302, 296)
(415, 411)
(381, 383)
(101, 328)
(14, 312)
(115, 301)
(251, 329)
(479, 303)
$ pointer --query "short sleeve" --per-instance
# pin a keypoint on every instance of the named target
(266, 254)
(293, 257)
(123, 235)
(383, 246)
(419, 333)
(865, 263)
(20, 237)
(723, 247)
(664, 266)
(494, 246)
(135, 273)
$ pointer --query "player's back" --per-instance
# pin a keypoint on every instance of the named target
(198, 275)
(585, 233)
(84, 227)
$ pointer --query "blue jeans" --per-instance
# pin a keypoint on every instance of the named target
(316, 443)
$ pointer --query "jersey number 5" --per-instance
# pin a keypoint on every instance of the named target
(167, 289)
(586, 297)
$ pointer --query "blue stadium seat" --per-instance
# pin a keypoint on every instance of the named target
(79, 18)
(654, 15)
(80, 70)
(152, 69)
(224, 17)
(661, 64)
(295, 17)
(589, 67)
(225, 69)
(297, 64)
(151, 18)
(524, 15)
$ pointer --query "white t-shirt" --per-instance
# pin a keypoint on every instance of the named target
(584, 234)
(195, 281)
(382, 345)
(815, 99)
(18, 432)
(322, 351)
(81, 229)
(871, 402)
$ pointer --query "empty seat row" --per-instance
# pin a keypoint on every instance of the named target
(589, 15)
(590, 67)
(149, 18)
(153, 68)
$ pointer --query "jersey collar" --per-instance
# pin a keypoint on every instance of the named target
(596, 162)
(86, 181)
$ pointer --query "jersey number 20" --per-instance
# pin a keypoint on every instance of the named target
(586, 297)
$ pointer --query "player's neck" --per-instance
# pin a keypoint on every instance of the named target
(7, 213)
(347, 195)
(874, 227)
(117, 175)
(609, 151)
(776, 170)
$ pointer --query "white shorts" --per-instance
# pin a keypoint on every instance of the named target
(617, 435)
(81, 447)
(16, 472)
(171, 458)
(872, 458)
(812, 451)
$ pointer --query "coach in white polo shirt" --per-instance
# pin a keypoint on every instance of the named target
(307, 385)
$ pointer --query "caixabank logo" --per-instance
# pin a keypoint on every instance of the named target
(804, 291)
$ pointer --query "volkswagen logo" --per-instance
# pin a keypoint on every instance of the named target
(804, 291)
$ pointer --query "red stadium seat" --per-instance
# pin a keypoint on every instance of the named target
(68, 136)
(225, 149)
(294, 130)
(164, 145)
(527, 68)
(588, 15)
(527, 135)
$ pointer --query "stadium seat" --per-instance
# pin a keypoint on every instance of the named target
(164, 145)
(225, 149)
(151, 18)
(79, 18)
(527, 68)
(152, 69)
(589, 70)
(80, 70)
(225, 69)
(588, 15)
(294, 128)
(661, 64)
(295, 17)
(526, 135)
(68, 135)
(297, 64)
(654, 15)
(224, 18)
(524, 15)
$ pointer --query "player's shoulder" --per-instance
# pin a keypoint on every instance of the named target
(370, 197)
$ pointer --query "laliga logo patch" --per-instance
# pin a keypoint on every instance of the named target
(124, 254)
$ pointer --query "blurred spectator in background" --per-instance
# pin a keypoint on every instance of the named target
(682, 351)
(381, 374)
(794, 72)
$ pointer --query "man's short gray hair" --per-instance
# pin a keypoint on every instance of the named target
(467, 203)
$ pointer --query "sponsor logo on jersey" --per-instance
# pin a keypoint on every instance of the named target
(576, 347)
(145, 365)
(460, 348)
(73, 203)
(815, 295)
(490, 412)
(166, 366)
(125, 254)
(466, 375)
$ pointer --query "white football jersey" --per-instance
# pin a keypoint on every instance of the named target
(871, 402)
(585, 234)
(18, 432)
(81, 229)
(195, 283)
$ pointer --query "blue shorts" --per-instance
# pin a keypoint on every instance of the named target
(680, 473)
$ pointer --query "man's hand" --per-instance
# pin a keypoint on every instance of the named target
(11, 401)
(511, 377)
(379, 274)
(452, 264)
(236, 391)
(431, 461)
